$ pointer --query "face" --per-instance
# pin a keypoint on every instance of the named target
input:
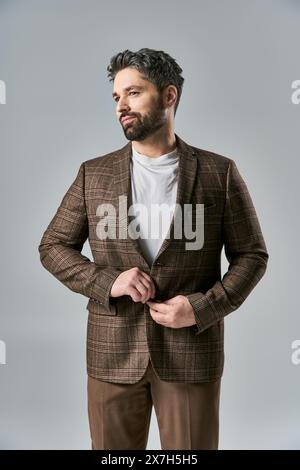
(138, 98)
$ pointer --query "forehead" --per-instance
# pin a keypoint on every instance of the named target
(129, 77)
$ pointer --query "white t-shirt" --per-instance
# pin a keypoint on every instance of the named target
(153, 182)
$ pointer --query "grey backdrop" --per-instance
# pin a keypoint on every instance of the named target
(239, 60)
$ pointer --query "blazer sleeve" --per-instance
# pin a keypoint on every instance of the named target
(61, 245)
(245, 251)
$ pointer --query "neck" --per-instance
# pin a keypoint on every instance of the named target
(156, 144)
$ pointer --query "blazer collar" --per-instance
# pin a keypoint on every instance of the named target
(187, 170)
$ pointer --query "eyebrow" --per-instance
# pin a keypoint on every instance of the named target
(128, 88)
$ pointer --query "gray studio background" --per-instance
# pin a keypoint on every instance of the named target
(239, 59)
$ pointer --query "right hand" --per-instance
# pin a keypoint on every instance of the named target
(135, 283)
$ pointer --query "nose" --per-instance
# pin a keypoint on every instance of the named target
(122, 106)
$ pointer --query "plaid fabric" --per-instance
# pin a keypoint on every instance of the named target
(121, 334)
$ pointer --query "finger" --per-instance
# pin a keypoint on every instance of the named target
(149, 285)
(160, 307)
(143, 289)
(151, 291)
(146, 276)
(150, 280)
(134, 294)
(158, 317)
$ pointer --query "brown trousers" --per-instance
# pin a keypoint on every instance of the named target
(187, 413)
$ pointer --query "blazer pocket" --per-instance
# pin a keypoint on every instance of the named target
(97, 308)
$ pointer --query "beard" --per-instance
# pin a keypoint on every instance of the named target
(144, 126)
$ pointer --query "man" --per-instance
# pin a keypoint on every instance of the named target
(156, 303)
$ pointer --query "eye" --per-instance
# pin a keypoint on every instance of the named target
(117, 98)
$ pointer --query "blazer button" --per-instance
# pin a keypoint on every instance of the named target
(159, 264)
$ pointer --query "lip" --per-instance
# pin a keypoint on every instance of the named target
(127, 119)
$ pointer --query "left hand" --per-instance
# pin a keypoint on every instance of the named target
(176, 312)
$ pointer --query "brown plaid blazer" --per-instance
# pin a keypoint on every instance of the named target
(121, 334)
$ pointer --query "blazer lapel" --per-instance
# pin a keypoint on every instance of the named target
(187, 170)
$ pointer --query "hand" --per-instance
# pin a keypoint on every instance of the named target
(174, 313)
(136, 283)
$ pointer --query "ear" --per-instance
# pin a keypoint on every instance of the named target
(170, 95)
